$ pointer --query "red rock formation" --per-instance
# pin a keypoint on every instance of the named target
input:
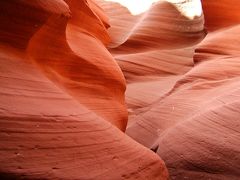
(161, 27)
(91, 57)
(60, 89)
(148, 62)
(219, 14)
(62, 101)
(184, 103)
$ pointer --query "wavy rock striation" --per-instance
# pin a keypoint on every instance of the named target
(65, 66)
(62, 97)
(183, 94)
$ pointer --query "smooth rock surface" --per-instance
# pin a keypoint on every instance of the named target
(183, 94)
(62, 107)
(91, 91)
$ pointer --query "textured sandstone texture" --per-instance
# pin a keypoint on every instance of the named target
(76, 75)
(183, 86)
(62, 104)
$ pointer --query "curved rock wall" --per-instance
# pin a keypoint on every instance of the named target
(62, 97)
(76, 74)
(182, 94)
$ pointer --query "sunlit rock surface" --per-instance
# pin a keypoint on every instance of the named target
(93, 90)
(62, 109)
(183, 85)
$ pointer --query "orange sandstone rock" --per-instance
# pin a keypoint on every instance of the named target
(62, 103)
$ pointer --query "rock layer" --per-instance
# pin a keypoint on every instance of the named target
(65, 66)
(62, 97)
(182, 95)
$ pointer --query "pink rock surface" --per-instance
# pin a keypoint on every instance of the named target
(182, 95)
(62, 97)
(76, 74)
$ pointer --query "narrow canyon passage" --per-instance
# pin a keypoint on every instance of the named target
(116, 89)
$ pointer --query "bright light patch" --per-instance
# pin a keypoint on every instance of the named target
(136, 6)
(188, 8)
